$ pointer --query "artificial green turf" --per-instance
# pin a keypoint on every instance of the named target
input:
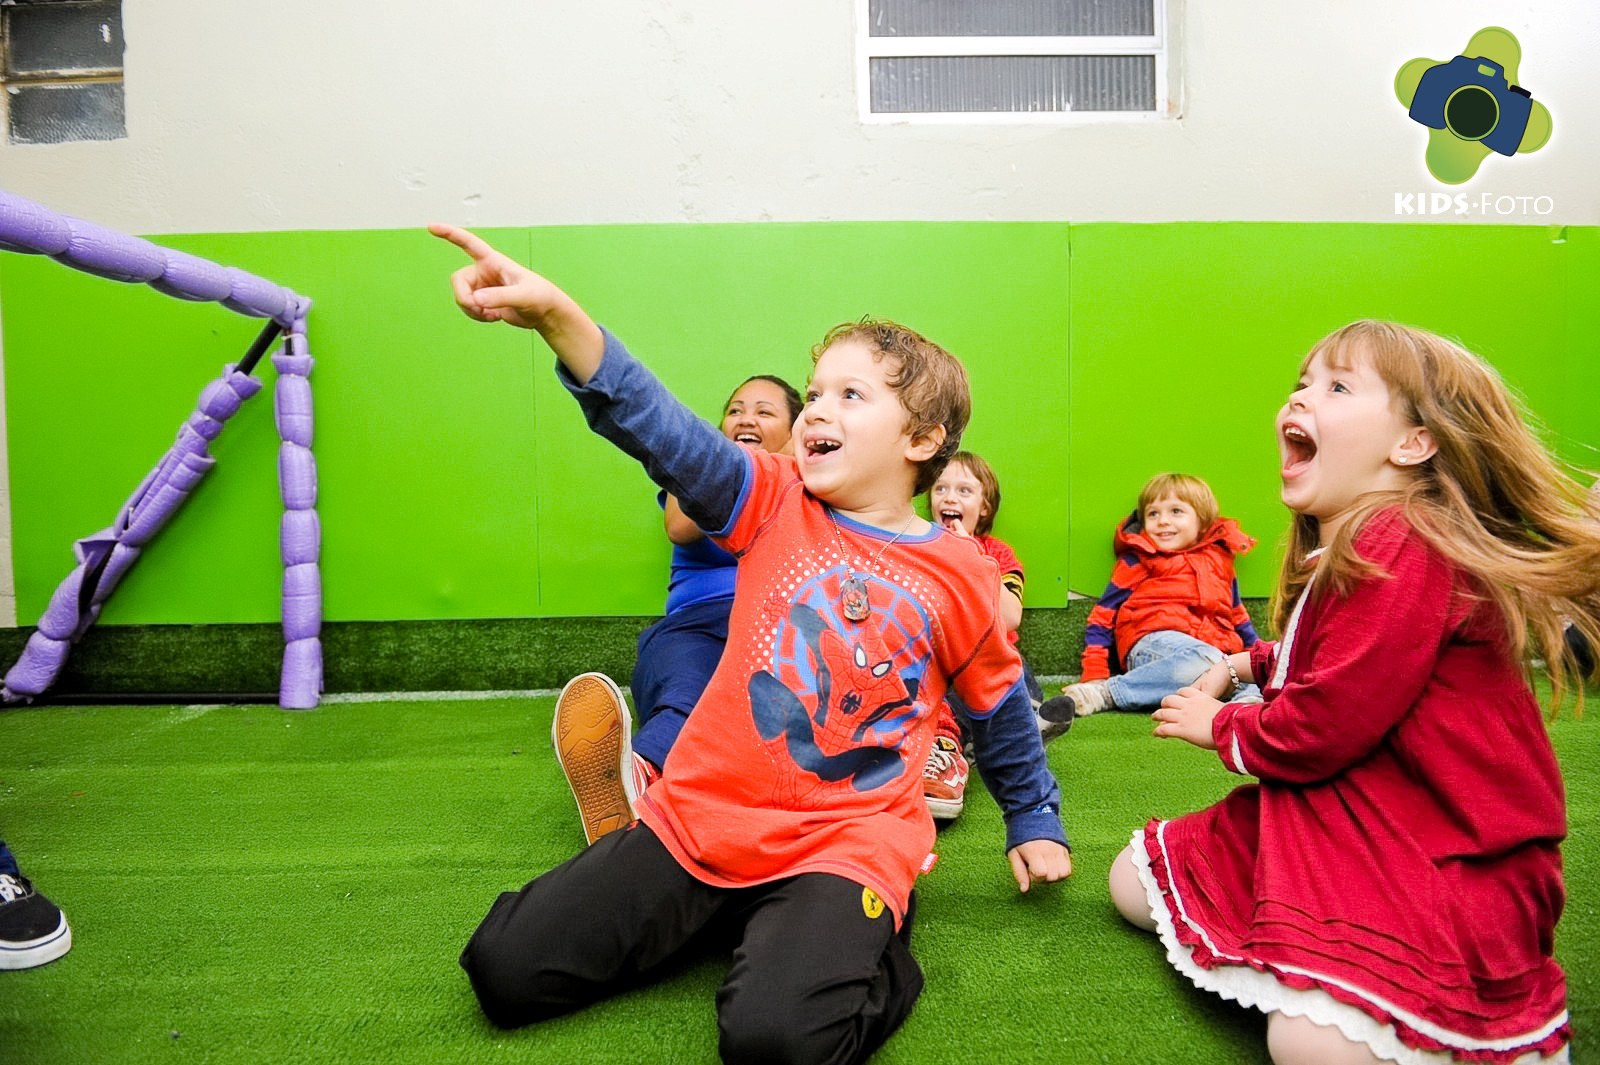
(247, 885)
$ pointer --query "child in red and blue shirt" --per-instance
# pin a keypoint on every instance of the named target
(1172, 609)
(965, 500)
(791, 815)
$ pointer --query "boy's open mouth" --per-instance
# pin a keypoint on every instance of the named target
(1298, 449)
(949, 515)
(821, 445)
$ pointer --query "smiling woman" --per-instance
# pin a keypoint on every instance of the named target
(678, 654)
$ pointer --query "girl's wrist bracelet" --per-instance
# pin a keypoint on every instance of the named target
(1233, 675)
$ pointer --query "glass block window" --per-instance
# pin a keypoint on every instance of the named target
(1014, 60)
(61, 67)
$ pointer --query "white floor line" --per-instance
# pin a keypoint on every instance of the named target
(429, 697)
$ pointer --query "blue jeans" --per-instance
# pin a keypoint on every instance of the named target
(1161, 663)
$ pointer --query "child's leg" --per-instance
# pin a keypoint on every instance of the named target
(677, 656)
(586, 929)
(1035, 692)
(1297, 1041)
(1158, 665)
(1128, 894)
(820, 975)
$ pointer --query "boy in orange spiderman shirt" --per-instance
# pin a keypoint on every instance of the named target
(789, 818)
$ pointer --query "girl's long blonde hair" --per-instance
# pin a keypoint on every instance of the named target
(1492, 499)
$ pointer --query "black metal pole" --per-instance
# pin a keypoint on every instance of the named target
(269, 333)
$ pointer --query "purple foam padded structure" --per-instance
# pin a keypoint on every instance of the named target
(26, 226)
(107, 253)
(292, 406)
(114, 549)
(189, 277)
(300, 535)
(33, 229)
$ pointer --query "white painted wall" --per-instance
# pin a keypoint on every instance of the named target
(330, 114)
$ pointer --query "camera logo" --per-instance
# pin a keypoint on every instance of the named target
(1473, 105)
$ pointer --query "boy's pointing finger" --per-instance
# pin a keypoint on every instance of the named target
(466, 240)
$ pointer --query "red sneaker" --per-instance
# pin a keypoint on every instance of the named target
(944, 779)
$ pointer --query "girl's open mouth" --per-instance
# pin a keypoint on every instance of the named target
(1298, 449)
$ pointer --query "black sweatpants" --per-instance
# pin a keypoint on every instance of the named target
(819, 973)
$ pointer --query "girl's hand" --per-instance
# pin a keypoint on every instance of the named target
(1215, 682)
(1039, 859)
(1187, 715)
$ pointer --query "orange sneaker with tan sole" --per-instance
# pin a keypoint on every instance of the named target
(593, 737)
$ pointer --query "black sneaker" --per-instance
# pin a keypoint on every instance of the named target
(32, 930)
(1060, 709)
(1055, 717)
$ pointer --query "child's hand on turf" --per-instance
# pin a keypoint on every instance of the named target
(1039, 859)
(1187, 715)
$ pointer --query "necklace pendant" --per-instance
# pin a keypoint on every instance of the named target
(853, 597)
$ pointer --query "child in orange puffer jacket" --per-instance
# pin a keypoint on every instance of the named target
(1172, 609)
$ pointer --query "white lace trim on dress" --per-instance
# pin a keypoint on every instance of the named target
(1261, 990)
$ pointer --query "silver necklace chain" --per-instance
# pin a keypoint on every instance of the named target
(853, 592)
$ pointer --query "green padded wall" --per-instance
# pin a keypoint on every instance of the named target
(425, 458)
(457, 480)
(706, 306)
(1187, 338)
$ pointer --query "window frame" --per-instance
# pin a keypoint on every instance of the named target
(1160, 44)
(63, 77)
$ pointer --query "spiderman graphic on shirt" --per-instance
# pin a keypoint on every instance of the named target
(843, 700)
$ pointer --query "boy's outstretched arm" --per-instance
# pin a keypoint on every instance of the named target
(621, 400)
(496, 288)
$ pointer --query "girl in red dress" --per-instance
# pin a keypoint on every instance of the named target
(1389, 888)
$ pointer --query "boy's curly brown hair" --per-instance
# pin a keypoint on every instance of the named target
(930, 382)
